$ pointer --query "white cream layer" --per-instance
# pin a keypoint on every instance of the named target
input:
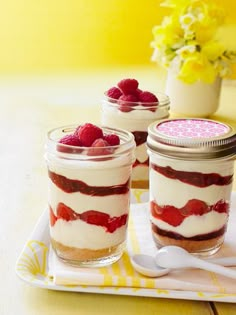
(195, 224)
(86, 236)
(114, 205)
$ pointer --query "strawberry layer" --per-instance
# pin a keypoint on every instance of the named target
(175, 216)
(197, 179)
(74, 185)
(93, 217)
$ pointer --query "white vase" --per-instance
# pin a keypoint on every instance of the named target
(198, 99)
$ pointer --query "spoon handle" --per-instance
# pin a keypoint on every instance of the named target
(214, 268)
(223, 261)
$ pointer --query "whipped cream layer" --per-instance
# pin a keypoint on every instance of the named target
(195, 224)
(85, 236)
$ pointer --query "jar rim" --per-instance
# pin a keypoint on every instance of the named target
(163, 100)
(82, 152)
(199, 147)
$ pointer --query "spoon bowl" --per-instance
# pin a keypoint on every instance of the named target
(146, 265)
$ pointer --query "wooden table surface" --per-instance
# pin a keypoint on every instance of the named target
(29, 108)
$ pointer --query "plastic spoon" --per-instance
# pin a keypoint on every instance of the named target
(147, 266)
(177, 257)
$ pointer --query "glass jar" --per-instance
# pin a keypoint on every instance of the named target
(136, 117)
(191, 176)
(89, 196)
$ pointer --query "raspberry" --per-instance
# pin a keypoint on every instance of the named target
(98, 147)
(88, 133)
(112, 139)
(70, 140)
(114, 93)
(128, 86)
(127, 101)
(147, 97)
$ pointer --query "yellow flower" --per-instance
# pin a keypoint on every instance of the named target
(186, 51)
(197, 67)
(212, 50)
(187, 20)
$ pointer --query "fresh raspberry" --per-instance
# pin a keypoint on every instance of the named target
(98, 147)
(114, 93)
(70, 140)
(147, 97)
(88, 133)
(127, 101)
(112, 139)
(128, 86)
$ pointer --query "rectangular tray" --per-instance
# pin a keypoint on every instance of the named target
(32, 266)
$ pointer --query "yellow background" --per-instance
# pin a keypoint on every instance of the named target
(41, 36)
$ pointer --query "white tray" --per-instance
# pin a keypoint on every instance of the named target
(32, 266)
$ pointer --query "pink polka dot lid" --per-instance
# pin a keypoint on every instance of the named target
(193, 138)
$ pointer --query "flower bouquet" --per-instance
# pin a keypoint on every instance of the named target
(187, 43)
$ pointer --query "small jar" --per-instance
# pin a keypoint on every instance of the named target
(191, 177)
(89, 197)
(136, 117)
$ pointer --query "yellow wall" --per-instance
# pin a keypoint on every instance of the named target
(64, 35)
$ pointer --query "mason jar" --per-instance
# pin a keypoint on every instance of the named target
(89, 197)
(191, 177)
(136, 117)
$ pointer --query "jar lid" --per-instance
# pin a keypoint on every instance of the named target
(192, 138)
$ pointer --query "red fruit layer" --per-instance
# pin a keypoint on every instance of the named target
(201, 237)
(91, 217)
(194, 178)
(73, 185)
(175, 216)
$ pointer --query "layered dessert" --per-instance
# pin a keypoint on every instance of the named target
(128, 107)
(89, 184)
(189, 197)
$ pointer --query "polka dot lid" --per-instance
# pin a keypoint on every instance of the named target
(193, 138)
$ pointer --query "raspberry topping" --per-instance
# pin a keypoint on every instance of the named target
(114, 92)
(147, 97)
(126, 102)
(90, 137)
(129, 95)
(112, 139)
(88, 133)
(128, 86)
(70, 140)
(98, 147)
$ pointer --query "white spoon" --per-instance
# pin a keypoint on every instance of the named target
(147, 266)
(177, 257)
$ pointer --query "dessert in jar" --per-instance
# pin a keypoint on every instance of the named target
(126, 106)
(89, 169)
(191, 176)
